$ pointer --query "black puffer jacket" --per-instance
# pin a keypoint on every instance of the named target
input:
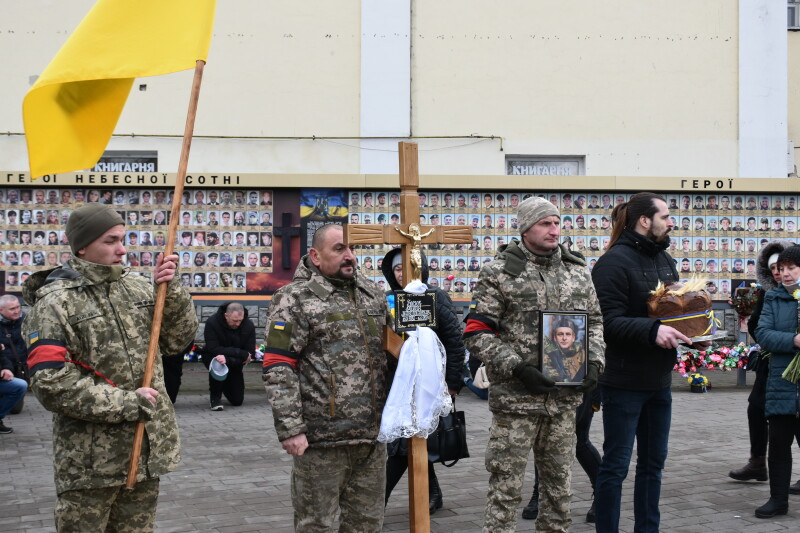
(623, 278)
(234, 344)
(449, 328)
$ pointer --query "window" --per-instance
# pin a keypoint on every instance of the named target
(522, 165)
(793, 15)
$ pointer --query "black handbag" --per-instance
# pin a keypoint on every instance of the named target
(449, 441)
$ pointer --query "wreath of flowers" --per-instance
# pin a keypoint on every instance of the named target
(724, 358)
(744, 299)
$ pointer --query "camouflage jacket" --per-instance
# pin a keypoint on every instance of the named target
(503, 324)
(325, 370)
(88, 332)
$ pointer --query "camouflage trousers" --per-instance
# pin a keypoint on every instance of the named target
(350, 478)
(511, 438)
(108, 509)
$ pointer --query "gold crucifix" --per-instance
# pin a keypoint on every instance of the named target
(409, 234)
(416, 248)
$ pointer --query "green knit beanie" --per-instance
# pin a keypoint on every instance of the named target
(533, 210)
(90, 222)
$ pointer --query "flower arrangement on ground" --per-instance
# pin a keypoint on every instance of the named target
(722, 358)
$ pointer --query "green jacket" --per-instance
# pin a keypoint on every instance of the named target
(325, 370)
(88, 332)
(503, 324)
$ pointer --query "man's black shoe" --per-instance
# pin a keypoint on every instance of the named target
(531, 511)
(4, 429)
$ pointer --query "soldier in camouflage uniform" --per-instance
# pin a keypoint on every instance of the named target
(325, 373)
(88, 336)
(529, 410)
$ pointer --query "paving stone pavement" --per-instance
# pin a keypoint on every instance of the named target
(235, 478)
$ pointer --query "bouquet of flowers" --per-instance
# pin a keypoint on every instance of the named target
(744, 299)
(698, 382)
(723, 358)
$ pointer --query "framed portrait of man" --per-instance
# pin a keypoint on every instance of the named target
(563, 346)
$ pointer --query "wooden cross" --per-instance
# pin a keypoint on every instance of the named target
(286, 231)
(419, 514)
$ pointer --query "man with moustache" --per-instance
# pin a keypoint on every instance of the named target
(640, 355)
(326, 377)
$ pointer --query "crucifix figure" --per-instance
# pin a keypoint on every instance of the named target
(410, 235)
(416, 248)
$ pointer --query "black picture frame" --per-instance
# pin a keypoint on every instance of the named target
(412, 310)
(564, 364)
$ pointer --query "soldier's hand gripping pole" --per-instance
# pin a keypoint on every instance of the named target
(161, 294)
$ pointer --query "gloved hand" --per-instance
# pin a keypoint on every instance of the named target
(589, 382)
(533, 379)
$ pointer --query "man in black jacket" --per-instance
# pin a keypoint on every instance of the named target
(13, 348)
(640, 355)
(230, 339)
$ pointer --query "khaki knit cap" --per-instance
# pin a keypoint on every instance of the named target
(90, 222)
(533, 210)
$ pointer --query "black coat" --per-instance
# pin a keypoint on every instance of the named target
(15, 348)
(623, 278)
(221, 339)
(448, 329)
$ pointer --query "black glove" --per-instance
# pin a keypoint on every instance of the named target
(534, 381)
(589, 382)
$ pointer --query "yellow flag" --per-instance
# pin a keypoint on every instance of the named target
(72, 109)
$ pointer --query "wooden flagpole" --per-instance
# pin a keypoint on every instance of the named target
(161, 295)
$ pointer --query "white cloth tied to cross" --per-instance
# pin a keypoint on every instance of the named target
(419, 395)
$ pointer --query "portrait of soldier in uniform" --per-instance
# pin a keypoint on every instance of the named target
(564, 358)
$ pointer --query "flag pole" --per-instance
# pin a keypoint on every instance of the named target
(161, 295)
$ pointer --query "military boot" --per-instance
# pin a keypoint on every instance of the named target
(531, 511)
(756, 468)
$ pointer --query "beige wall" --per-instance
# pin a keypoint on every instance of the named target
(794, 93)
(639, 88)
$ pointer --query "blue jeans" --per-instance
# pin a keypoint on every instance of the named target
(629, 414)
(10, 393)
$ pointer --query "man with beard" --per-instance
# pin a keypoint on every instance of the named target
(338, 466)
(640, 355)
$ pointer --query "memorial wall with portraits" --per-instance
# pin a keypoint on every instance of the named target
(223, 235)
(716, 236)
